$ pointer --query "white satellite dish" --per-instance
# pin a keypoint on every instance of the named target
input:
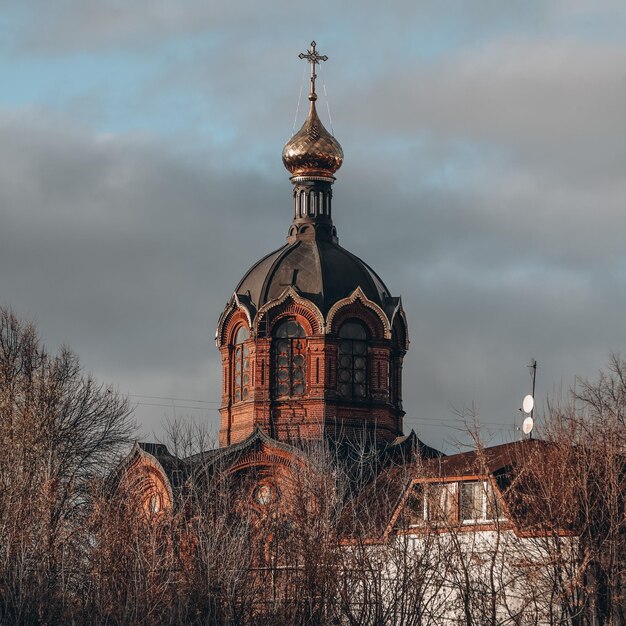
(528, 404)
(527, 424)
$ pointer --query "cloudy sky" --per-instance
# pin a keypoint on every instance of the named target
(484, 179)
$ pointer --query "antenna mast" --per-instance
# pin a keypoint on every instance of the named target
(533, 374)
(528, 405)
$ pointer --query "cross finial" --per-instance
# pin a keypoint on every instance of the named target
(313, 58)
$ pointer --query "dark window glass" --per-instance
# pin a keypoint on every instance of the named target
(393, 385)
(478, 502)
(241, 369)
(289, 360)
(352, 361)
(471, 501)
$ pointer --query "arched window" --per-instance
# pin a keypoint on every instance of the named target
(398, 342)
(241, 366)
(352, 361)
(154, 503)
(289, 360)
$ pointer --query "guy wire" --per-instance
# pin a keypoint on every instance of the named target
(295, 119)
(330, 119)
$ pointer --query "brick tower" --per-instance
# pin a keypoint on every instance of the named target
(312, 341)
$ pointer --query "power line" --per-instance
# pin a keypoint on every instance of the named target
(137, 395)
(176, 406)
(212, 406)
(453, 420)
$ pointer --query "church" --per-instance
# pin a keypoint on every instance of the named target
(312, 344)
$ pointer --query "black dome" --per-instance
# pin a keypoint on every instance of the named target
(322, 271)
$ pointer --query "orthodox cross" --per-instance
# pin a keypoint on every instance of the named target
(313, 58)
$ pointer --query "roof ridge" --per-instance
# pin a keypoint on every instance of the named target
(289, 247)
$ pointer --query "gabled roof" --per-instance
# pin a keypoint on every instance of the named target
(533, 501)
(481, 462)
(156, 456)
(230, 455)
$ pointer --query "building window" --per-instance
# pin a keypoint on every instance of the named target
(154, 504)
(433, 503)
(241, 369)
(438, 502)
(477, 502)
(352, 361)
(393, 373)
(289, 360)
(264, 494)
(452, 503)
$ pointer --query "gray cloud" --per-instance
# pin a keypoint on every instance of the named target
(119, 249)
(128, 252)
(86, 25)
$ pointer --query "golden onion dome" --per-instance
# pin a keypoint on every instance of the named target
(312, 151)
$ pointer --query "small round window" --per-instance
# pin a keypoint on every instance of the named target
(263, 495)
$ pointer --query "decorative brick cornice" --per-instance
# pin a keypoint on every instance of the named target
(138, 459)
(358, 296)
(254, 448)
(234, 305)
(308, 309)
(261, 457)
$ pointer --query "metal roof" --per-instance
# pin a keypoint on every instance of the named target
(322, 271)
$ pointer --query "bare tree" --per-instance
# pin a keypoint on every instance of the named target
(307, 540)
(58, 429)
(573, 491)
